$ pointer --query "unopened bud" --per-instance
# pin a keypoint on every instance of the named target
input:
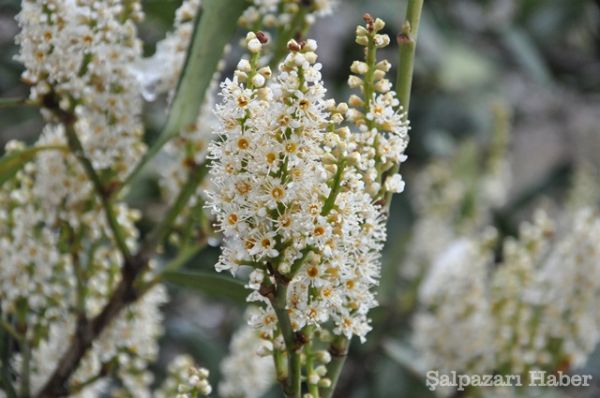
(362, 40)
(262, 37)
(354, 81)
(359, 67)
(258, 80)
(244, 65)
(378, 24)
(293, 46)
(342, 107)
(311, 57)
(361, 31)
(265, 71)
(381, 41)
(254, 46)
(355, 101)
(310, 45)
(384, 66)
(325, 383)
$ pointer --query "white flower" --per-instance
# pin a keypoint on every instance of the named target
(395, 184)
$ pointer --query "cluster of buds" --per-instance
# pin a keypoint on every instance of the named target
(284, 13)
(185, 380)
(377, 113)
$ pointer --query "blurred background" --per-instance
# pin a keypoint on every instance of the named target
(536, 60)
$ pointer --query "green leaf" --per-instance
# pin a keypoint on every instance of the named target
(213, 30)
(210, 284)
(11, 163)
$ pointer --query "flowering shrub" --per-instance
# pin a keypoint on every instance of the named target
(258, 164)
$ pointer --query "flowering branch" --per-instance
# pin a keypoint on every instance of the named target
(212, 31)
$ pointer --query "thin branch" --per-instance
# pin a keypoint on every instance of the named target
(10, 329)
(407, 42)
(339, 352)
(103, 193)
(14, 102)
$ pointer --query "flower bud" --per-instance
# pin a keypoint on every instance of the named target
(355, 101)
(254, 46)
(354, 81)
(310, 45)
(258, 80)
(311, 57)
(384, 65)
(244, 65)
(381, 41)
(361, 31)
(378, 25)
(359, 67)
(362, 40)
(265, 71)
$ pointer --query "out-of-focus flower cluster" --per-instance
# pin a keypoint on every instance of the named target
(532, 311)
(60, 261)
(291, 184)
(248, 370)
(456, 196)
(185, 380)
(284, 13)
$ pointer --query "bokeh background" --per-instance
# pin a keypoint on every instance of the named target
(539, 60)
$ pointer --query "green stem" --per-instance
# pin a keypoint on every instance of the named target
(13, 102)
(78, 151)
(313, 389)
(25, 369)
(369, 82)
(281, 369)
(292, 387)
(160, 232)
(10, 329)
(25, 384)
(407, 42)
(339, 351)
(335, 188)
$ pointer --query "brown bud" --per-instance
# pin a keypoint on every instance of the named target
(403, 38)
(369, 21)
(267, 291)
(262, 37)
(294, 46)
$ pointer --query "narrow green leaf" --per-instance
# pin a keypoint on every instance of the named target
(211, 284)
(213, 30)
(11, 163)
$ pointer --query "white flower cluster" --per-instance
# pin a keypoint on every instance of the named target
(248, 370)
(77, 56)
(455, 293)
(290, 192)
(185, 380)
(536, 310)
(282, 13)
(54, 267)
(59, 258)
(553, 322)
